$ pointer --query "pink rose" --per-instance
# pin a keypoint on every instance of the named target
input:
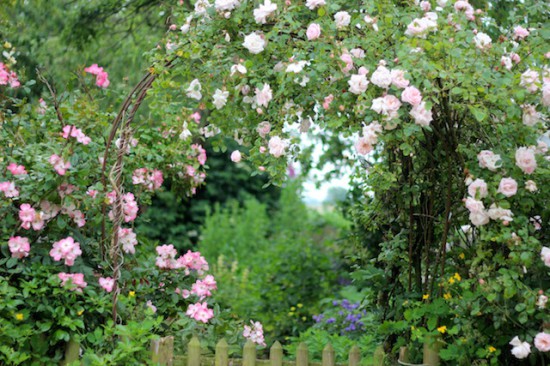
(478, 186)
(107, 283)
(411, 95)
(263, 128)
(19, 247)
(313, 31)
(398, 79)
(277, 146)
(488, 159)
(236, 156)
(508, 187)
(520, 33)
(542, 342)
(421, 115)
(525, 160)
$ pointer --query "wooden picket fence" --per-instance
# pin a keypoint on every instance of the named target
(162, 351)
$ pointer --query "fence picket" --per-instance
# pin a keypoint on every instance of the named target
(328, 356)
(163, 351)
(354, 356)
(222, 358)
(302, 355)
(194, 352)
(249, 354)
(379, 356)
(276, 354)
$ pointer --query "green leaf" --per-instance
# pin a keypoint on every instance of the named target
(478, 113)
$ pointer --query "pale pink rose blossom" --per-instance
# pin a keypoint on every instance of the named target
(498, 213)
(398, 79)
(479, 218)
(546, 94)
(482, 41)
(542, 342)
(545, 256)
(19, 247)
(363, 146)
(277, 146)
(358, 84)
(357, 52)
(312, 4)
(508, 187)
(530, 115)
(264, 95)
(254, 43)
(488, 159)
(515, 57)
(26, 215)
(346, 57)
(342, 19)
(313, 31)
(150, 305)
(541, 301)
(411, 95)
(226, 5)
(254, 333)
(102, 78)
(520, 33)
(128, 240)
(478, 187)
(421, 115)
(531, 186)
(236, 156)
(107, 283)
(474, 205)
(506, 62)
(194, 90)
(326, 102)
(59, 165)
(381, 77)
(264, 11)
(525, 160)
(425, 6)
(9, 189)
(530, 80)
(263, 128)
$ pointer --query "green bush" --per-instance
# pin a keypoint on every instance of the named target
(277, 266)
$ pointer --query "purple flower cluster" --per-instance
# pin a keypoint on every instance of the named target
(343, 318)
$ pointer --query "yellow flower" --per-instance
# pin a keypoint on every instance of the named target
(492, 349)
(132, 293)
(457, 277)
(19, 316)
(293, 309)
(425, 297)
(447, 296)
(442, 329)
(299, 306)
(461, 256)
(451, 280)
(304, 318)
(7, 45)
(80, 312)
(291, 313)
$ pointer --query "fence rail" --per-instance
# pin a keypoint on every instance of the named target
(162, 351)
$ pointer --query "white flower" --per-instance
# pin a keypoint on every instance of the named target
(194, 90)
(265, 10)
(220, 98)
(342, 19)
(226, 5)
(185, 133)
(521, 349)
(238, 68)
(185, 28)
(358, 84)
(312, 4)
(296, 67)
(530, 115)
(381, 77)
(482, 41)
(254, 43)
(201, 6)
